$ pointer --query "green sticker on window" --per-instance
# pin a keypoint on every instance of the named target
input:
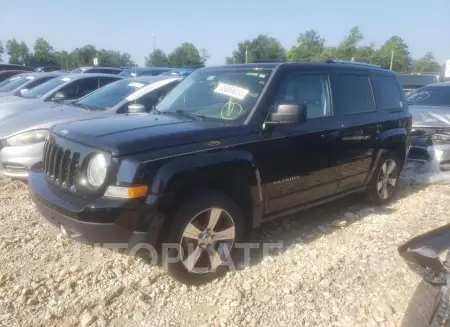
(252, 74)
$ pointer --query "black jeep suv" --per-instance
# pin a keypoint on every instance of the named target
(229, 148)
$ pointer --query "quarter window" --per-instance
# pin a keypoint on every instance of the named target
(387, 92)
(311, 90)
(352, 94)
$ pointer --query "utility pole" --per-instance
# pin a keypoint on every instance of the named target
(246, 54)
(392, 59)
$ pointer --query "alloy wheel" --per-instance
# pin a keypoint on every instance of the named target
(387, 179)
(207, 240)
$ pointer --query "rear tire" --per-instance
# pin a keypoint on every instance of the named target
(201, 226)
(421, 307)
(384, 183)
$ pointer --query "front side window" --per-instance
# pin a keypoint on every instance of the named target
(110, 95)
(352, 94)
(430, 96)
(46, 87)
(311, 90)
(222, 94)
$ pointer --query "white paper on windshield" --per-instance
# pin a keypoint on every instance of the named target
(65, 79)
(149, 88)
(232, 91)
(30, 77)
(136, 85)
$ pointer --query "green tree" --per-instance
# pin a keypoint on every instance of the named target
(261, 47)
(347, 49)
(125, 60)
(157, 58)
(427, 63)
(367, 54)
(309, 47)
(43, 52)
(2, 51)
(186, 55)
(402, 59)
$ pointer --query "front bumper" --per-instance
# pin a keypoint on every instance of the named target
(426, 147)
(16, 161)
(118, 224)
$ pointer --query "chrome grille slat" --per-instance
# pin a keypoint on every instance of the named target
(61, 164)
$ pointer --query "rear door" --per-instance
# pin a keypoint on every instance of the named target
(353, 104)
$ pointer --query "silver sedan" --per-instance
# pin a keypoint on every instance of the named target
(22, 135)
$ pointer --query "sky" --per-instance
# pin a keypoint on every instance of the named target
(218, 26)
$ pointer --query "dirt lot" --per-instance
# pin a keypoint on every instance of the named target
(339, 267)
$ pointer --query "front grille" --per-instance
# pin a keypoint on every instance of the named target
(61, 165)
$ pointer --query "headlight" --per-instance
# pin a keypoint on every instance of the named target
(31, 137)
(96, 172)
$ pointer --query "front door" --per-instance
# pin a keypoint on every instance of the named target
(299, 165)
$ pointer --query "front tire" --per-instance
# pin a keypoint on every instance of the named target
(201, 238)
(384, 183)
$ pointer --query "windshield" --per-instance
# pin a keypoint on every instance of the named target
(13, 83)
(223, 94)
(417, 80)
(77, 70)
(46, 87)
(110, 95)
(431, 96)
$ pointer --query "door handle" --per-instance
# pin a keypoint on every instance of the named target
(331, 135)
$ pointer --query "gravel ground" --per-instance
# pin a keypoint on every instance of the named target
(339, 267)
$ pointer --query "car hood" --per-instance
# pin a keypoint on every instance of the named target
(5, 94)
(10, 98)
(127, 134)
(430, 116)
(9, 109)
(44, 118)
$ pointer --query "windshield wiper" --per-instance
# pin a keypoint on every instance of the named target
(195, 116)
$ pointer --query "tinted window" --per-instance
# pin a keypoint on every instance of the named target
(431, 96)
(351, 94)
(79, 88)
(37, 81)
(151, 98)
(311, 90)
(46, 87)
(110, 95)
(106, 80)
(387, 92)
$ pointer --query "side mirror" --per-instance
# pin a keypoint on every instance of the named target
(135, 108)
(59, 96)
(23, 91)
(288, 113)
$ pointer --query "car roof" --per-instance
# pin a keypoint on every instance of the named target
(152, 79)
(13, 71)
(345, 65)
(42, 74)
(75, 76)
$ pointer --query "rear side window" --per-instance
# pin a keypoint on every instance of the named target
(352, 94)
(387, 92)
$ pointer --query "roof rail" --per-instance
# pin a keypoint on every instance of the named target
(333, 61)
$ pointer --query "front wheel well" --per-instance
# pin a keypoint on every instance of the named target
(236, 185)
(399, 149)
